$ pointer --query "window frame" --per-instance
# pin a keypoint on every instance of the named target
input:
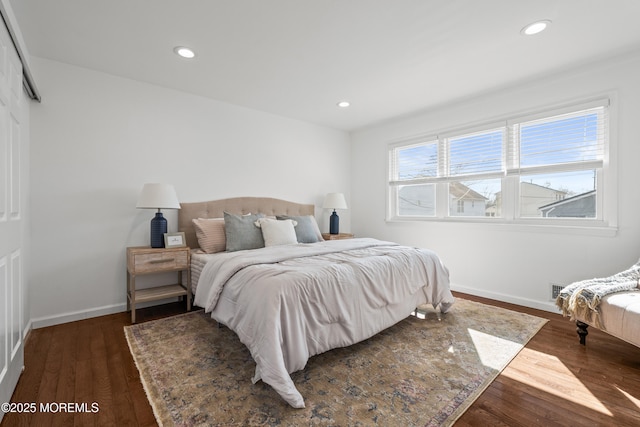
(606, 178)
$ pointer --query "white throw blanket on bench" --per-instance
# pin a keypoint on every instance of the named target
(581, 299)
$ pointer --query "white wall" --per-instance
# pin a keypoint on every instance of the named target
(96, 139)
(510, 263)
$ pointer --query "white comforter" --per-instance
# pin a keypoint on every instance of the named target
(288, 303)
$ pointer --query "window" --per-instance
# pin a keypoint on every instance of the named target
(412, 164)
(547, 167)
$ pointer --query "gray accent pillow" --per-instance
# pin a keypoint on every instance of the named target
(241, 232)
(307, 230)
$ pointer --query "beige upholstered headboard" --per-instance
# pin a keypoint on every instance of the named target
(237, 205)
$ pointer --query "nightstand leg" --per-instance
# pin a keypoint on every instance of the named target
(132, 297)
(128, 290)
(189, 289)
(186, 285)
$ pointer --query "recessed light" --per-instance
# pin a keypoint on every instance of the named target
(185, 52)
(535, 27)
(343, 104)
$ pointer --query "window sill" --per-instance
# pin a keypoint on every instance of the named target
(571, 227)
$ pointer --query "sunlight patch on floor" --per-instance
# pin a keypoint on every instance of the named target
(493, 351)
(572, 389)
(424, 313)
(630, 397)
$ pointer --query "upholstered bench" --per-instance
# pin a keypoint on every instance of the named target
(619, 316)
(611, 304)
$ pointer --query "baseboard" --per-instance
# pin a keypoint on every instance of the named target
(41, 322)
(526, 302)
(27, 330)
(57, 319)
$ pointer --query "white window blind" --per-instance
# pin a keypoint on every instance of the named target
(569, 141)
(477, 153)
(413, 164)
(549, 164)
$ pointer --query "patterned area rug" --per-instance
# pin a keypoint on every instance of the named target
(420, 372)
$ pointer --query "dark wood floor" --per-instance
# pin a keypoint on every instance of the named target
(553, 381)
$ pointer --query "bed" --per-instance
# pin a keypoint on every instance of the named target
(298, 295)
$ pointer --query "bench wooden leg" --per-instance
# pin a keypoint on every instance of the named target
(581, 328)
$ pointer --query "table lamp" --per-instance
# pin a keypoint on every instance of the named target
(334, 201)
(158, 196)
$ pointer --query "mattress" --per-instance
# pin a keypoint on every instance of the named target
(198, 260)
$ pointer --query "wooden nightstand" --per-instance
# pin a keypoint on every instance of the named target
(146, 260)
(339, 236)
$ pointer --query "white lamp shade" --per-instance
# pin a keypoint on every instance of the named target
(334, 201)
(158, 196)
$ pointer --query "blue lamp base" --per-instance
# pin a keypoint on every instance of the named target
(158, 228)
(334, 223)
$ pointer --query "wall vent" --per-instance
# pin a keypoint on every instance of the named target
(555, 290)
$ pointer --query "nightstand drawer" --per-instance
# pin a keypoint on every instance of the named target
(146, 261)
(161, 261)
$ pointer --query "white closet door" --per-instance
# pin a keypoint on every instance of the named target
(12, 168)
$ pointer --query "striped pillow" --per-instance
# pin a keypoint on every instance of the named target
(211, 234)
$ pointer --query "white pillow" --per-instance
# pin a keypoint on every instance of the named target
(276, 232)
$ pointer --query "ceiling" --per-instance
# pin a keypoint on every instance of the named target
(298, 58)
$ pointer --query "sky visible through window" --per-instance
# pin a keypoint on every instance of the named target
(476, 153)
(418, 162)
(561, 141)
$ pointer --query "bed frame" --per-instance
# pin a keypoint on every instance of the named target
(237, 205)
